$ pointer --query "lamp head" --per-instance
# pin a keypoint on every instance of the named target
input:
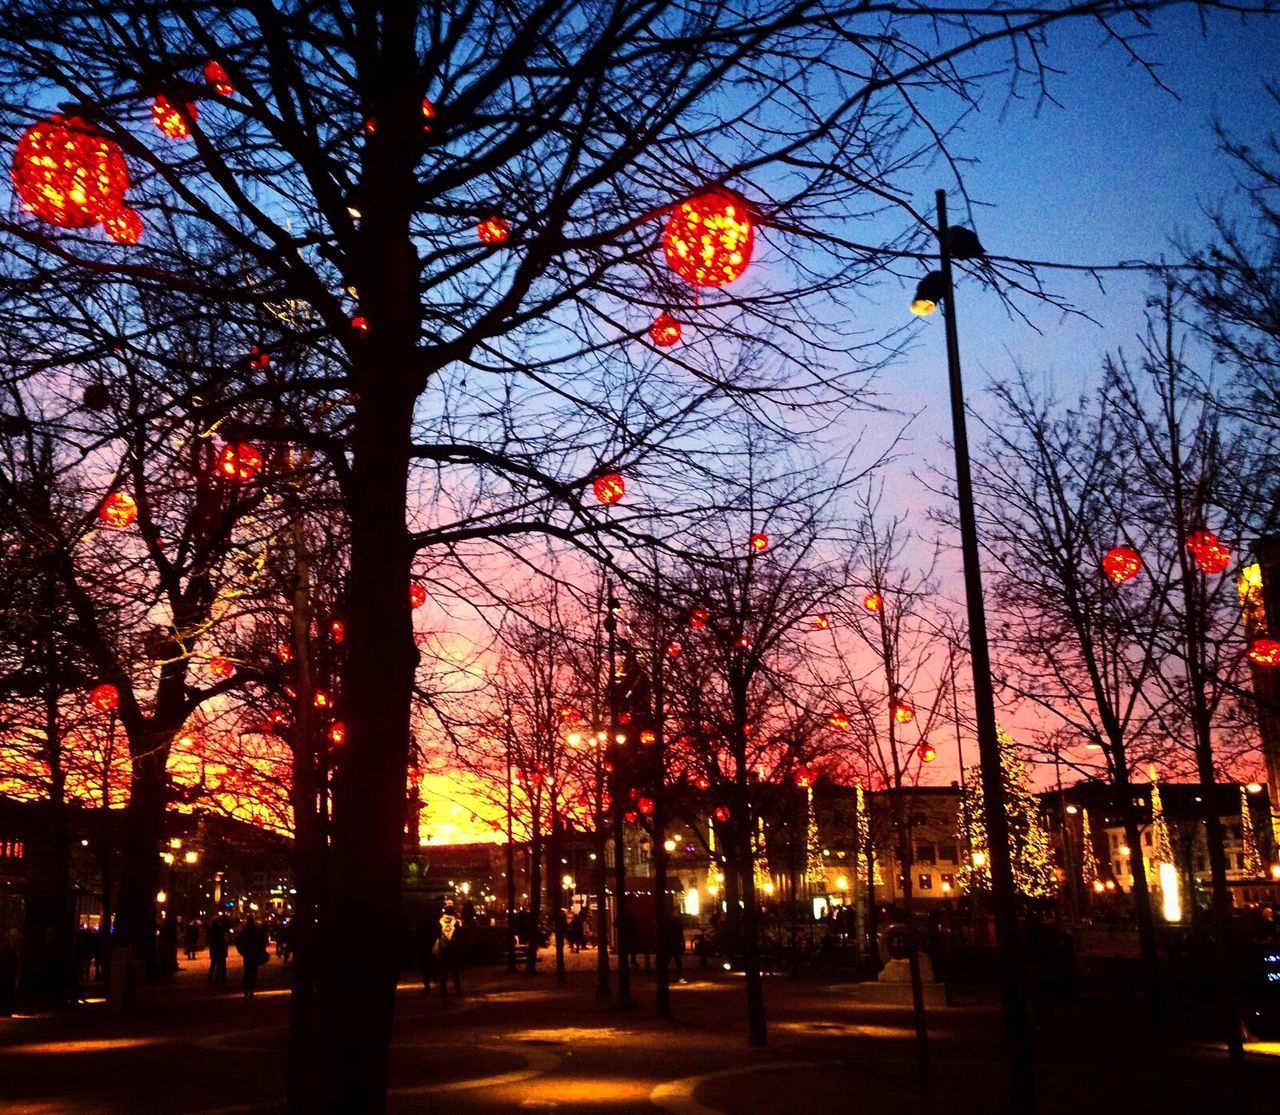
(931, 290)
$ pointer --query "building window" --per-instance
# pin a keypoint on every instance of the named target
(1239, 861)
(948, 882)
(1119, 867)
(1146, 838)
(926, 881)
(925, 853)
(948, 854)
(1115, 840)
(1199, 863)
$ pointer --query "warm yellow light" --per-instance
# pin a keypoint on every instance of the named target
(712, 889)
(1275, 871)
(946, 887)
(1170, 900)
(922, 307)
(567, 882)
(669, 845)
(167, 857)
(191, 857)
(1251, 576)
(693, 902)
(768, 888)
(842, 883)
(1124, 849)
(621, 737)
(161, 897)
(979, 859)
(465, 888)
(1072, 810)
(1098, 886)
(1254, 787)
(175, 842)
(575, 739)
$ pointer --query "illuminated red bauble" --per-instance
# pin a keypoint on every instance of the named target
(743, 642)
(284, 652)
(493, 230)
(320, 699)
(722, 813)
(839, 720)
(803, 777)
(708, 239)
(118, 510)
(428, 114)
(338, 630)
(68, 173)
(105, 697)
(171, 122)
(124, 226)
(360, 323)
(277, 717)
(873, 602)
(759, 542)
(239, 460)
(338, 733)
(1121, 564)
(609, 489)
(645, 805)
(1264, 651)
(259, 359)
(698, 618)
(1211, 555)
(665, 331)
(631, 816)
(417, 595)
(903, 713)
(218, 78)
(702, 782)
(648, 738)
(571, 714)
(221, 668)
(821, 623)
(673, 650)
(926, 752)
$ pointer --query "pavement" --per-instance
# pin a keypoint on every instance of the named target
(521, 1043)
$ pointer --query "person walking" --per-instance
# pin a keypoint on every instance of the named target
(251, 944)
(447, 949)
(216, 934)
(192, 939)
(428, 935)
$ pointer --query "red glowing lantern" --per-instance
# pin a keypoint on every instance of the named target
(320, 699)
(665, 331)
(609, 489)
(284, 652)
(698, 618)
(338, 630)
(428, 114)
(571, 714)
(221, 668)
(708, 239)
(259, 359)
(360, 323)
(803, 777)
(631, 816)
(721, 813)
(1264, 652)
(417, 595)
(926, 752)
(1121, 563)
(338, 733)
(839, 720)
(124, 226)
(217, 77)
(645, 806)
(759, 542)
(702, 782)
(1210, 554)
(743, 642)
(106, 697)
(68, 173)
(239, 460)
(673, 650)
(173, 124)
(118, 510)
(821, 623)
(493, 230)
(873, 602)
(648, 738)
(277, 717)
(903, 713)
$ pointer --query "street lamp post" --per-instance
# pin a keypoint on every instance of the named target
(939, 287)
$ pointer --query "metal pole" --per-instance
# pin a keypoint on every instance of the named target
(511, 866)
(1013, 990)
(622, 928)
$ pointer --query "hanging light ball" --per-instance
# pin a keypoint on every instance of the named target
(320, 699)
(645, 805)
(417, 595)
(284, 652)
(839, 720)
(648, 738)
(105, 697)
(494, 230)
(173, 124)
(124, 226)
(698, 618)
(1264, 651)
(708, 239)
(759, 542)
(1209, 553)
(118, 510)
(97, 397)
(822, 623)
(221, 668)
(721, 813)
(68, 173)
(927, 752)
(218, 78)
(702, 782)
(609, 489)
(665, 331)
(338, 630)
(1121, 564)
(673, 650)
(903, 713)
(873, 602)
(259, 359)
(428, 114)
(803, 777)
(239, 460)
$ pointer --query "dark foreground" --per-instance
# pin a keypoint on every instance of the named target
(516, 1043)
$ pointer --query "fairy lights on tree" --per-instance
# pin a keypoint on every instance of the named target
(1090, 873)
(1248, 838)
(815, 871)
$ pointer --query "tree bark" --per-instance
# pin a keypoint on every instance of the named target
(140, 870)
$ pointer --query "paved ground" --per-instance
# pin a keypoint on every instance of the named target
(519, 1044)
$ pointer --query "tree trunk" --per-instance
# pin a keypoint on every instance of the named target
(555, 890)
(602, 910)
(535, 892)
(140, 870)
(1152, 984)
(757, 1027)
